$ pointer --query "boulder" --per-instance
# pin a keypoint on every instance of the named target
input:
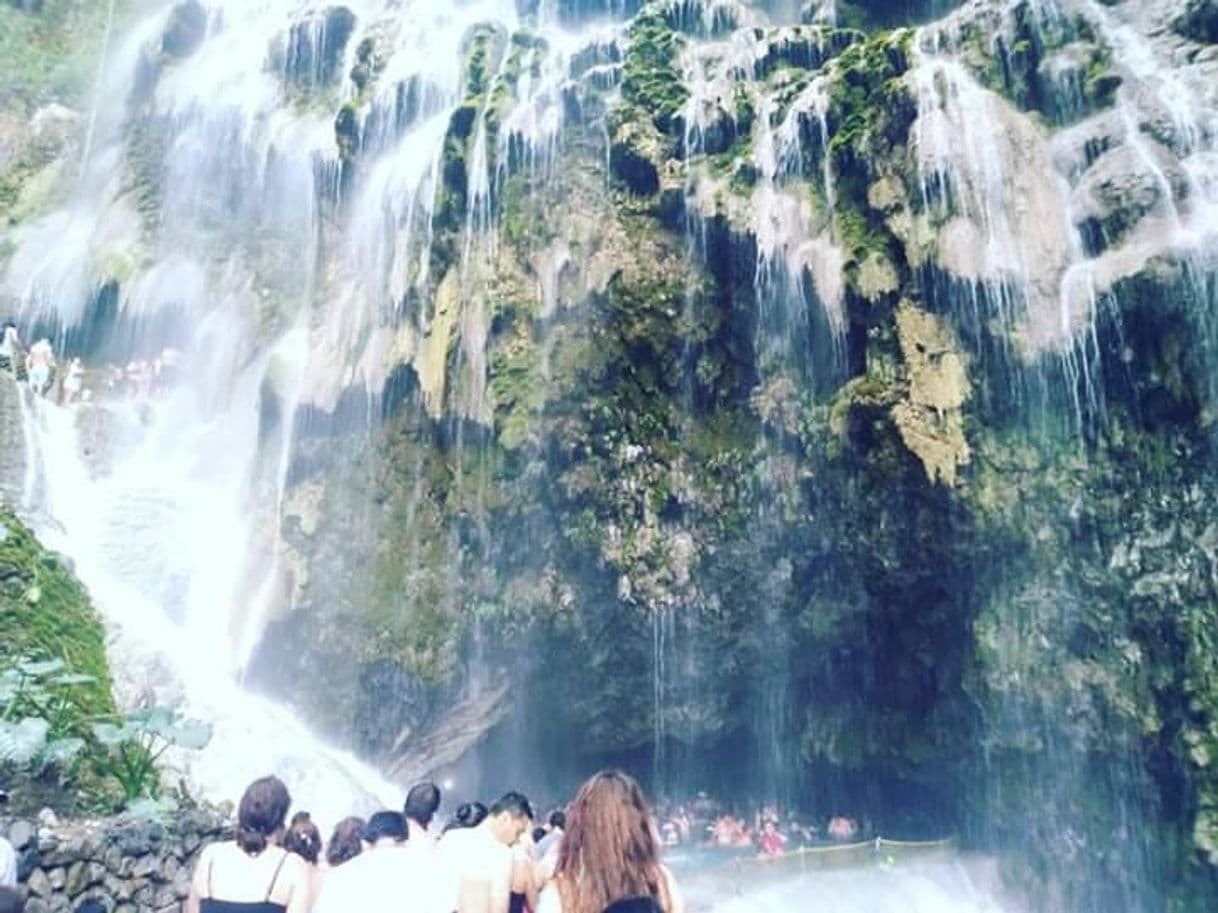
(316, 47)
(1122, 188)
(635, 156)
(185, 31)
(21, 834)
(1199, 21)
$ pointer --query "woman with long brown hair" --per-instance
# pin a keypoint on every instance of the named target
(609, 852)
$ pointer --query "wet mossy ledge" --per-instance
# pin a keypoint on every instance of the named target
(45, 614)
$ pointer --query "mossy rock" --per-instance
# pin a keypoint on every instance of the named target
(1199, 21)
(635, 154)
(652, 80)
(46, 614)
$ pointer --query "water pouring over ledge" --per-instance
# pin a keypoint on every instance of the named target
(315, 248)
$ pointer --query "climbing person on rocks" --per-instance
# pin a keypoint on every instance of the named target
(10, 349)
(73, 382)
(40, 367)
(485, 866)
(252, 873)
(610, 854)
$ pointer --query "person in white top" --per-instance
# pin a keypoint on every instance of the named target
(484, 858)
(10, 348)
(610, 853)
(8, 864)
(422, 802)
(386, 876)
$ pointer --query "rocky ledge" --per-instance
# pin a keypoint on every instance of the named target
(129, 865)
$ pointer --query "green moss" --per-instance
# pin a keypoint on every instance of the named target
(51, 55)
(45, 614)
(870, 113)
(652, 81)
(517, 388)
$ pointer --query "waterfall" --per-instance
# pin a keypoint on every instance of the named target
(228, 250)
(748, 392)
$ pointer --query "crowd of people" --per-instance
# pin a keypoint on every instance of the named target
(767, 831)
(600, 854)
(69, 382)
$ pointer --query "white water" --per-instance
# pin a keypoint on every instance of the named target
(926, 887)
(170, 513)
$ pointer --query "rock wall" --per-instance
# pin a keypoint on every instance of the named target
(129, 866)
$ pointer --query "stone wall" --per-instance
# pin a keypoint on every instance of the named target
(129, 865)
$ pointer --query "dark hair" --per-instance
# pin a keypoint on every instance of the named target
(386, 824)
(303, 838)
(558, 818)
(422, 802)
(10, 901)
(346, 842)
(539, 834)
(469, 814)
(514, 804)
(262, 811)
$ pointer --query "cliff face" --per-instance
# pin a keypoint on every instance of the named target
(822, 395)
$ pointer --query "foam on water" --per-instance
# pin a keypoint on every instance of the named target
(928, 887)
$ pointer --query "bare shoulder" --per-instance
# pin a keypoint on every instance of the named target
(675, 899)
(206, 855)
(296, 869)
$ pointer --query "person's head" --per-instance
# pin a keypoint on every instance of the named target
(346, 842)
(609, 848)
(422, 802)
(558, 819)
(539, 834)
(509, 818)
(261, 814)
(303, 838)
(386, 827)
(768, 827)
(10, 901)
(469, 814)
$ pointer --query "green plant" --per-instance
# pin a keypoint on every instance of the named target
(131, 752)
(39, 713)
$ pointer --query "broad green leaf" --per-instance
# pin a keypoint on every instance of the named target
(62, 750)
(110, 735)
(21, 743)
(72, 678)
(39, 669)
(192, 734)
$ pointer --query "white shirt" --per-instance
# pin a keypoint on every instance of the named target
(8, 864)
(386, 877)
(474, 855)
(551, 902)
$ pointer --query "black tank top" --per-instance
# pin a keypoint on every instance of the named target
(211, 905)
